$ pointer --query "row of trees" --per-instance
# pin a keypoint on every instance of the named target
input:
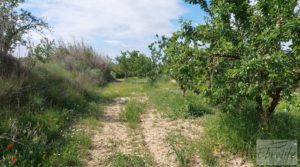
(246, 51)
(137, 64)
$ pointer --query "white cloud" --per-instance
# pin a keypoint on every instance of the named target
(119, 23)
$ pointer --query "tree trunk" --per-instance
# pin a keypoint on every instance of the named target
(183, 90)
(260, 109)
(8, 64)
(275, 100)
(265, 115)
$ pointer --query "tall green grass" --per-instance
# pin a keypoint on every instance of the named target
(132, 112)
(181, 148)
(166, 97)
(122, 160)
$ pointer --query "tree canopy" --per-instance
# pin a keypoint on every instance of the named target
(245, 51)
(134, 64)
(15, 22)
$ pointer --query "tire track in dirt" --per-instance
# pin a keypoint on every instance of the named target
(156, 129)
(114, 137)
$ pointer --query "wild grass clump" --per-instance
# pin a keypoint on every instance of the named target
(181, 148)
(132, 112)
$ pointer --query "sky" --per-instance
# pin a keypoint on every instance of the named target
(111, 26)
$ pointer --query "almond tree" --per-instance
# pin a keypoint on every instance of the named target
(246, 50)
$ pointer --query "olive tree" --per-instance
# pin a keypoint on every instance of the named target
(245, 51)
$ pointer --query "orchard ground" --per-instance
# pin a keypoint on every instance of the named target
(154, 125)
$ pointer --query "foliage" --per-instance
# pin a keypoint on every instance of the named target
(181, 60)
(16, 22)
(44, 50)
(82, 59)
(39, 106)
(238, 54)
(134, 64)
(236, 133)
(156, 60)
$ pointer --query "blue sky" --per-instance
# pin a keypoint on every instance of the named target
(111, 26)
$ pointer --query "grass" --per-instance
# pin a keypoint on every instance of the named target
(165, 96)
(182, 148)
(233, 133)
(45, 110)
(48, 129)
(237, 132)
(127, 88)
(44, 138)
(122, 160)
(132, 112)
(225, 133)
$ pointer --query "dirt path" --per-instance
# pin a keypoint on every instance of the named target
(150, 140)
(115, 137)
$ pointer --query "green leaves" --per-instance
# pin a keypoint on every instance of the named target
(134, 64)
(239, 54)
(16, 22)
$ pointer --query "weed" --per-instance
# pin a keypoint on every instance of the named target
(181, 147)
(132, 112)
